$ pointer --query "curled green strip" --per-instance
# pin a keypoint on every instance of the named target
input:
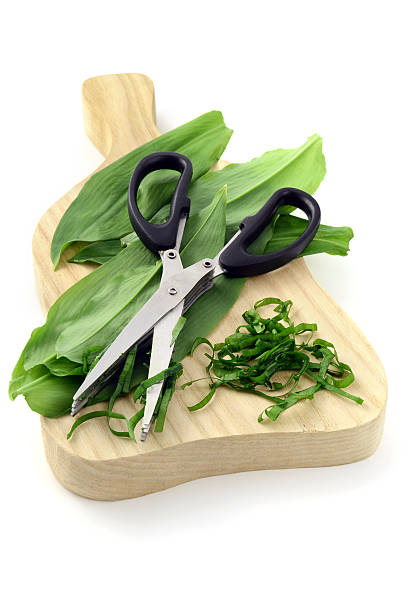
(249, 360)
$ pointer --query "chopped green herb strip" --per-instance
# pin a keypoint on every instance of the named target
(122, 387)
(250, 359)
(205, 399)
(94, 415)
(177, 329)
(133, 421)
(164, 402)
(142, 388)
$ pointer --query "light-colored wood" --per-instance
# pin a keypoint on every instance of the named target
(225, 436)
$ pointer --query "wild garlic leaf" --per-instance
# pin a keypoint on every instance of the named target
(331, 240)
(94, 310)
(100, 210)
(177, 329)
(45, 393)
(251, 184)
(64, 367)
(205, 238)
(111, 281)
(22, 379)
(98, 252)
(204, 235)
(102, 307)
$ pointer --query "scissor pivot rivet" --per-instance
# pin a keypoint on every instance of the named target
(171, 254)
(172, 291)
(207, 263)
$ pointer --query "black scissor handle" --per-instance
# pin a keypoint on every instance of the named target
(160, 236)
(235, 259)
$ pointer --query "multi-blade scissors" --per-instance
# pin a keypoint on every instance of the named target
(181, 287)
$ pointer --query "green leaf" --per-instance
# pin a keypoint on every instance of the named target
(133, 422)
(205, 399)
(22, 379)
(149, 382)
(164, 403)
(98, 252)
(251, 184)
(101, 308)
(100, 210)
(122, 386)
(198, 342)
(100, 318)
(204, 235)
(177, 329)
(50, 396)
(331, 240)
(46, 394)
(89, 304)
(94, 415)
(64, 367)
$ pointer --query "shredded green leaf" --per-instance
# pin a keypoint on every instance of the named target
(250, 359)
(93, 415)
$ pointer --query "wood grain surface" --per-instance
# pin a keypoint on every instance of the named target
(225, 436)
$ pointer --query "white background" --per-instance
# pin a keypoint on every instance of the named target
(312, 539)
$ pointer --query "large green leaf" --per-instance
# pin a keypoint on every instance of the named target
(100, 210)
(204, 236)
(51, 395)
(120, 279)
(45, 393)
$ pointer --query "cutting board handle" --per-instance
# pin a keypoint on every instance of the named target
(119, 112)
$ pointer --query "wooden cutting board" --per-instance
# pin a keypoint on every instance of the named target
(225, 436)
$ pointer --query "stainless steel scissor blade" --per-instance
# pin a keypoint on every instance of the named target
(162, 348)
(160, 357)
(171, 292)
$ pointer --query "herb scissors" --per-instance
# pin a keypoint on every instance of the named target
(181, 287)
